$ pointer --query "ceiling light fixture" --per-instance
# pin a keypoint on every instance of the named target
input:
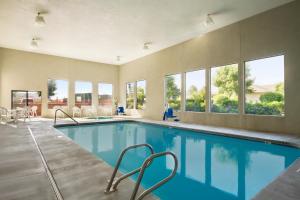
(209, 20)
(34, 43)
(146, 45)
(39, 20)
(118, 58)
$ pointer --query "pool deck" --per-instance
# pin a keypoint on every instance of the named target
(76, 174)
(38, 162)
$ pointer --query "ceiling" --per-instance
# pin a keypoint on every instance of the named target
(101, 30)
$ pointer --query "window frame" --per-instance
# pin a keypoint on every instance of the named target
(134, 95)
(112, 93)
(68, 91)
(145, 104)
(91, 92)
(210, 88)
(244, 86)
(184, 93)
(181, 92)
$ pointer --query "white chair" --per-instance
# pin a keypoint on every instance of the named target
(7, 115)
(105, 110)
(91, 111)
(76, 111)
(33, 111)
(23, 113)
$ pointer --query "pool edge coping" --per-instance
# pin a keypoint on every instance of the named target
(269, 138)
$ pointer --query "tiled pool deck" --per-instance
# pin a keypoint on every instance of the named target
(77, 174)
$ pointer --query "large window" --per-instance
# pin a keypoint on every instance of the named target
(130, 95)
(224, 89)
(83, 93)
(105, 91)
(173, 91)
(57, 93)
(264, 86)
(195, 91)
(140, 94)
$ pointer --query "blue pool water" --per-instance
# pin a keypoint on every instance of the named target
(210, 166)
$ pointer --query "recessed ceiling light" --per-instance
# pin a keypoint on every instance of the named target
(39, 20)
(147, 45)
(34, 43)
(209, 20)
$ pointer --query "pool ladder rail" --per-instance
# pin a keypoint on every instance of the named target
(114, 182)
(55, 116)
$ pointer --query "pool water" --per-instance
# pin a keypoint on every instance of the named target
(210, 166)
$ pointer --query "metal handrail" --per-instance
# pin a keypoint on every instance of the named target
(113, 184)
(65, 114)
(146, 163)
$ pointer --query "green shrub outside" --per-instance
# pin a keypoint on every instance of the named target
(195, 105)
(223, 104)
(175, 104)
(129, 103)
(272, 103)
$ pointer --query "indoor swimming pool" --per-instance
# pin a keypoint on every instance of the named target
(210, 166)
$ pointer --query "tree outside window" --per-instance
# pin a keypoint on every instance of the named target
(173, 91)
(224, 89)
(140, 94)
(130, 95)
(195, 91)
(57, 93)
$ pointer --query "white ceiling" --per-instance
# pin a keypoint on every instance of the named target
(101, 30)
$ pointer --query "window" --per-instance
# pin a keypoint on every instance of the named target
(105, 91)
(264, 86)
(195, 91)
(224, 89)
(57, 93)
(130, 95)
(173, 91)
(83, 93)
(140, 94)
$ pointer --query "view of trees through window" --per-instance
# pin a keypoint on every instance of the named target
(195, 91)
(130, 95)
(140, 94)
(173, 91)
(57, 93)
(224, 89)
(83, 93)
(105, 91)
(265, 86)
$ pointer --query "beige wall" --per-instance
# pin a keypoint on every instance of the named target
(272, 33)
(21, 70)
